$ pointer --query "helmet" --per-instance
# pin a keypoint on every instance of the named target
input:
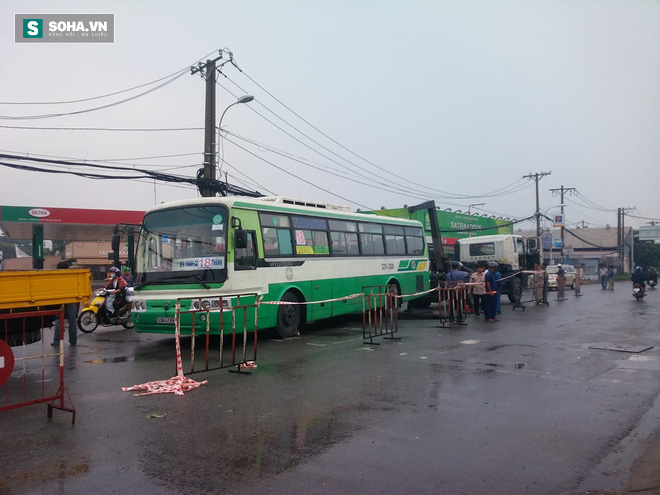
(127, 269)
(493, 264)
(114, 269)
(455, 264)
(639, 269)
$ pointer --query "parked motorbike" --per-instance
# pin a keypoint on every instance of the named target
(638, 291)
(97, 314)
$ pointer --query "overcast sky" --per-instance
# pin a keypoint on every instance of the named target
(455, 101)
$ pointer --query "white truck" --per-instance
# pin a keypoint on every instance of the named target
(512, 252)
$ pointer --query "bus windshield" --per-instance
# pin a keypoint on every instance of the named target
(183, 245)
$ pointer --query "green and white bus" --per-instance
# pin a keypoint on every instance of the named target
(281, 249)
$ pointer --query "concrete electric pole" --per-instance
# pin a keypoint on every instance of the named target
(537, 176)
(562, 190)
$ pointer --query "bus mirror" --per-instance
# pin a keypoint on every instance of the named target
(116, 238)
(240, 239)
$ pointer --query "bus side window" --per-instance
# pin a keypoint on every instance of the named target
(246, 258)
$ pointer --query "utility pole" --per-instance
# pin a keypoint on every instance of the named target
(621, 238)
(537, 176)
(562, 190)
(208, 72)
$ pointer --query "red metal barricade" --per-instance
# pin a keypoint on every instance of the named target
(380, 316)
(25, 379)
(452, 300)
(223, 306)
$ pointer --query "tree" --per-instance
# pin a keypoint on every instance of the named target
(647, 254)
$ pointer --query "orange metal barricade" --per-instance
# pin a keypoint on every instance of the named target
(225, 310)
(21, 389)
(380, 316)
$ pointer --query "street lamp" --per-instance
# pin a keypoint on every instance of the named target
(241, 99)
(470, 217)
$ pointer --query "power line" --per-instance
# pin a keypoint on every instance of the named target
(100, 96)
(94, 109)
(443, 194)
(105, 129)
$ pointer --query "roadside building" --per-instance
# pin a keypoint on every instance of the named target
(586, 248)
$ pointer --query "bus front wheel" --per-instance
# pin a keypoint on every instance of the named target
(288, 316)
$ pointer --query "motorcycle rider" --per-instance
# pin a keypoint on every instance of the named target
(652, 277)
(638, 277)
(116, 285)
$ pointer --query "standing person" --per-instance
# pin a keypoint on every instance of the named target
(499, 285)
(561, 282)
(545, 285)
(603, 272)
(478, 290)
(455, 280)
(610, 278)
(538, 283)
(71, 314)
(490, 308)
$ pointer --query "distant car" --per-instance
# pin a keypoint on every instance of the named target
(552, 276)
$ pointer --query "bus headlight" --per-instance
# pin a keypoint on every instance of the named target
(206, 304)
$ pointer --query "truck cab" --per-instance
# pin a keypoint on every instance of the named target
(512, 252)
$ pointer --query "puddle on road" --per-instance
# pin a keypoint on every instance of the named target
(508, 366)
(119, 359)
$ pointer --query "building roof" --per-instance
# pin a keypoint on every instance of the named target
(601, 240)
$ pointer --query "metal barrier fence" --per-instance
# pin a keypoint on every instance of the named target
(379, 313)
(202, 309)
(452, 300)
(534, 289)
(31, 391)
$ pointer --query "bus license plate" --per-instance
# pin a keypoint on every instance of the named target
(165, 319)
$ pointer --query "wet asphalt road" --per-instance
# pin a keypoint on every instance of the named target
(523, 405)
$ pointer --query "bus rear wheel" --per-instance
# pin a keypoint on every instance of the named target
(288, 316)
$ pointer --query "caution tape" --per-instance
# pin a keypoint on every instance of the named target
(298, 303)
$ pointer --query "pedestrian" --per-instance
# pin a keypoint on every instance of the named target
(603, 272)
(537, 283)
(545, 285)
(490, 308)
(610, 278)
(499, 285)
(70, 314)
(478, 289)
(561, 282)
(456, 279)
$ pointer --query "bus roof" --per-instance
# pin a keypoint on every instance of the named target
(286, 205)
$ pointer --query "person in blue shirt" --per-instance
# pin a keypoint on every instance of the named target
(457, 298)
(498, 286)
(490, 309)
